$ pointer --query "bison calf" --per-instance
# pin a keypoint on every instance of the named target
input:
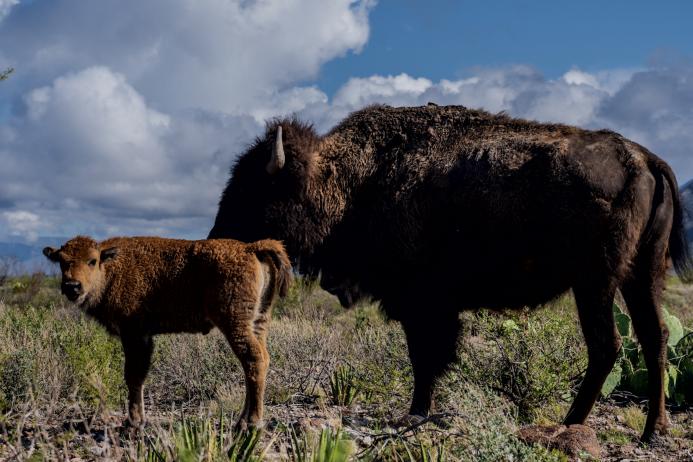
(141, 286)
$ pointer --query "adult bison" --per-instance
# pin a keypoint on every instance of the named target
(433, 210)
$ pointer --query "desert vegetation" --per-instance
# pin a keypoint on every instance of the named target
(338, 381)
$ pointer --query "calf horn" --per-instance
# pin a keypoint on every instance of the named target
(277, 161)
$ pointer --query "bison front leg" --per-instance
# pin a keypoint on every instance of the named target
(138, 354)
(432, 343)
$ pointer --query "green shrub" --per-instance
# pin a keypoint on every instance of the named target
(16, 377)
(94, 358)
(60, 349)
(530, 358)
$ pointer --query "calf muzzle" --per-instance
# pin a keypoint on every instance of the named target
(71, 289)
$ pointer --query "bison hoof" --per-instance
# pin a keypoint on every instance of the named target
(651, 439)
(653, 436)
(409, 420)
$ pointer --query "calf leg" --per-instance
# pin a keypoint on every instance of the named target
(603, 343)
(432, 343)
(138, 354)
(260, 329)
(254, 359)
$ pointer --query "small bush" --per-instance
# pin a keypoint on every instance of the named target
(7, 266)
(534, 360)
(16, 377)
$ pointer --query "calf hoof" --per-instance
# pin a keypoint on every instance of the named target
(137, 424)
(243, 425)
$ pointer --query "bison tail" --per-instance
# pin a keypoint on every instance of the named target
(273, 254)
(679, 249)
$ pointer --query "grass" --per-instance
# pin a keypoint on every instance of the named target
(337, 381)
(633, 417)
(614, 436)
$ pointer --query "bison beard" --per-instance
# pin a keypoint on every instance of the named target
(433, 210)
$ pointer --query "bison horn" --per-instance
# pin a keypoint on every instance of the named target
(277, 161)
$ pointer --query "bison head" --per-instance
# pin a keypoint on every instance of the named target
(276, 191)
(82, 267)
(347, 291)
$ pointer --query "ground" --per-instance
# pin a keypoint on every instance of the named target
(339, 381)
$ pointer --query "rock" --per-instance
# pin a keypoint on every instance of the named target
(573, 440)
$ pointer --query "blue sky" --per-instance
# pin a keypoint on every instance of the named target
(123, 116)
(447, 38)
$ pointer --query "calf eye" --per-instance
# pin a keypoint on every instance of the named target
(92, 262)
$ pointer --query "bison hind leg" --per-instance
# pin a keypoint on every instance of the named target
(594, 302)
(642, 292)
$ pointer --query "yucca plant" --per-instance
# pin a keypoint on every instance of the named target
(400, 448)
(344, 386)
(331, 446)
(197, 440)
(243, 446)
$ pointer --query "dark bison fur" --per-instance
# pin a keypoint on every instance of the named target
(433, 210)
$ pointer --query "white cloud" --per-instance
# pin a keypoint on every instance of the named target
(90, 151)
(89, 148)
(397, 90)
(6, 6)
(22, 223)
(577, 77)
(127, 114)
(655, 108)
(652, 106)
(519, 90)
(216, 55)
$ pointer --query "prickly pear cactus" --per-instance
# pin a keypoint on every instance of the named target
(630, 371)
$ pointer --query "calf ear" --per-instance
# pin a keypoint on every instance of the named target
(109, 254)
(51, 253)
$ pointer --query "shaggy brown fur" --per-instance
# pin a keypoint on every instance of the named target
(432, 210)
(141, 286)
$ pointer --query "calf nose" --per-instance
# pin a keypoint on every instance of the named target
(71, 287)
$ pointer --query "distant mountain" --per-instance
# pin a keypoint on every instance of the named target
(29, 256)
(687, 200)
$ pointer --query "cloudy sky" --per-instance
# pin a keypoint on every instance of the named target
(124, 116)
